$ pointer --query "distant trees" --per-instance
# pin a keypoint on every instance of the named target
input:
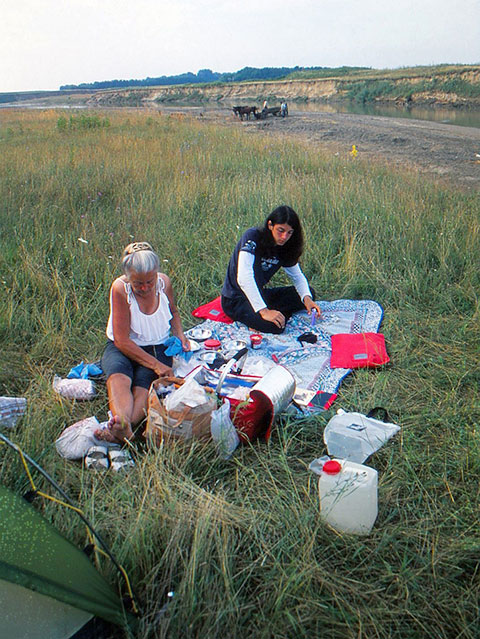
(204, 75)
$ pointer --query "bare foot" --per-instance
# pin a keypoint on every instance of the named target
(115, 431)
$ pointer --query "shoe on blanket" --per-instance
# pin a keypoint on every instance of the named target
(97, 458)
(120, 460)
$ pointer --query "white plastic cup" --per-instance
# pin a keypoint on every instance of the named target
(348, 496)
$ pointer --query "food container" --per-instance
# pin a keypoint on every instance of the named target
(255, 340)
(212, 344)
(278, 385)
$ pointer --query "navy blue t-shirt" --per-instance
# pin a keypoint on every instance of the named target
(264, 267)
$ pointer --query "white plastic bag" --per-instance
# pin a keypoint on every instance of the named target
(223, 431)
(355, 437)
(11, 409)
(74, 388)
(76, 440)
(189, 394)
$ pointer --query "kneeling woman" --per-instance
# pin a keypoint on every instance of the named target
(142, 311)
(257, 257)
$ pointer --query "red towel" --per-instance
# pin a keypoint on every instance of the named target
(358, 350)
(213, 311)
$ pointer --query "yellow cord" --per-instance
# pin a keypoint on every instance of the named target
(89, 532)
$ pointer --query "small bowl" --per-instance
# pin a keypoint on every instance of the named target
(208, 357)
(200, 334)
(234, 345)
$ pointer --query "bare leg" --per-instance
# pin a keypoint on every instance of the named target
(121, 402)
(139, 411)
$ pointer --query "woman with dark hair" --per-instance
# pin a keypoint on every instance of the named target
(259, 254)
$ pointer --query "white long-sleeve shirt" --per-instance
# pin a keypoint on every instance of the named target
(246, 280)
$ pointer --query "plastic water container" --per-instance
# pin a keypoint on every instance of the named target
(348, 496)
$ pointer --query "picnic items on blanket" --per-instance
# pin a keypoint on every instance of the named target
(212, 310)
(254, 401)
(358, 350)
(355, 437)
(255, 340)
(178, 409)
(11, 409)
(310, 363)
(348, 495)
(223, 431)
(74, 388)
(85, 371)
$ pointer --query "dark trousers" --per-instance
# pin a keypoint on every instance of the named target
(283, 298)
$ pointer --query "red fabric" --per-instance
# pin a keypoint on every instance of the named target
(253, 418)
(358, 350)
(213, 311)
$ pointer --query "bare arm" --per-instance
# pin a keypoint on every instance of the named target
(175, 322)
(121, 333)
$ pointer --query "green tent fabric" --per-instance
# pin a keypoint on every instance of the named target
(35, 556)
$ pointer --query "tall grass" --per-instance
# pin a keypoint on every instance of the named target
(240, 542)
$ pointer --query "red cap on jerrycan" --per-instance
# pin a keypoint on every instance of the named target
(332, 467)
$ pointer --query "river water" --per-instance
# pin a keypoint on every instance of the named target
(444, 115)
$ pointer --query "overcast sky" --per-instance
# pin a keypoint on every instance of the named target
(47, 43)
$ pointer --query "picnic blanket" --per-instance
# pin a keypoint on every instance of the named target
(310, 363)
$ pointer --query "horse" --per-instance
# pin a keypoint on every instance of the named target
(244, 110)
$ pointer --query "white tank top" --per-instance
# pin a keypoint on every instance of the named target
(145, 330)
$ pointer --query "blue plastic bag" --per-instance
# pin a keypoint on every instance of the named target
(84, 371)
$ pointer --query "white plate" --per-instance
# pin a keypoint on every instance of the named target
(199, 333)
(194, 346)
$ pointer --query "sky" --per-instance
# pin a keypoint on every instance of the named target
(48, 43)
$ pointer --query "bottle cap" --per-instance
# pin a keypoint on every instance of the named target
(332, 467)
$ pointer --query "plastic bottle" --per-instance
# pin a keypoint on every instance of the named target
(348, 496)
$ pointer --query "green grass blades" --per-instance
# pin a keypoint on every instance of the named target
(240, 542)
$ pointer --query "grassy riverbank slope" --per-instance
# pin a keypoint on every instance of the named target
(455, 85)
(240, 542)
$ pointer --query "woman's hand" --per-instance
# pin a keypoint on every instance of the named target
(162, 370)
(185, 342)
(310, 306)
(275, 317)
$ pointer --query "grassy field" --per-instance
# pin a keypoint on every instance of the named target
(240, 542)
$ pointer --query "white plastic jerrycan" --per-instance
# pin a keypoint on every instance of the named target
(348, 496)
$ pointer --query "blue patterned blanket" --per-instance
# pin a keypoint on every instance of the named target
(310, 363)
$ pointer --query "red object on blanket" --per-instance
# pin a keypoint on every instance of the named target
(213, 311)
(253, 418)
(358, 350)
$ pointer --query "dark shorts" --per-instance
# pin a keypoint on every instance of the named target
(114, 361)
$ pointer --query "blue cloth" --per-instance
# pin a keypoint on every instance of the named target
(84, 371)
(174, 347)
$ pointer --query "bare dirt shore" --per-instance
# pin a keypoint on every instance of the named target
(443, 152)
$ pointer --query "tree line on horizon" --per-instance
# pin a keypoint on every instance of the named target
(208, 76)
